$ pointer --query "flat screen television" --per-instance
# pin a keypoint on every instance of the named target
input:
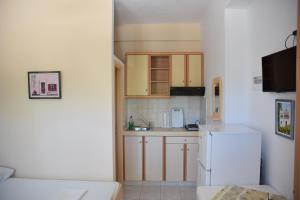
(279, 71)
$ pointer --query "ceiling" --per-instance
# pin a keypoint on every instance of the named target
(158, 11)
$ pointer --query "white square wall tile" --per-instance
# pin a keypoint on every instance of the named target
(153, 109)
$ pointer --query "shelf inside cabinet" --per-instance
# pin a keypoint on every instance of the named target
(160, 88)
(160, 75)
(159, 81)
(160, 62)
(160, 68)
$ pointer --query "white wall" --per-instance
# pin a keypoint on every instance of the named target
(213, 47)
(234, 40)
(237, 68)
(71, 138)
(269, 23)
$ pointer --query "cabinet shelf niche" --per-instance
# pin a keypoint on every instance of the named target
(160, 88)
(161, 68)
(160, 75)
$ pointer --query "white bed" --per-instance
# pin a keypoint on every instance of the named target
(36, 189)
(208, 192)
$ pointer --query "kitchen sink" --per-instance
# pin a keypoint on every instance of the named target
(141, 128)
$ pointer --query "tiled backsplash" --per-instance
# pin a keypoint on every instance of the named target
(153, 109)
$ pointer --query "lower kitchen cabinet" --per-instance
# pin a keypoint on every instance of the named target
(174, 162)
(191, 162)
(181, 158)
(145, 158)
(153, 158)
(133, 158)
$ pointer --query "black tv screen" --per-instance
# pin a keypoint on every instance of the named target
(279, 71)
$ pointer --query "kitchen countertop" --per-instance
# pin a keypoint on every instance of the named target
(170, 132)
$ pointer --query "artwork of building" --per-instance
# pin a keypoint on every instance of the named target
(284, 119)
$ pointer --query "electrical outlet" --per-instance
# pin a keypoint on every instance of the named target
(257, 80)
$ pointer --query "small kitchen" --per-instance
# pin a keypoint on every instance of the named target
(164, 108)
(164, 92)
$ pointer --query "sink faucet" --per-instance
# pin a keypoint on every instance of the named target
(147, 123)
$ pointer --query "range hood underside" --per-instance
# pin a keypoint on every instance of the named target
(187, 91)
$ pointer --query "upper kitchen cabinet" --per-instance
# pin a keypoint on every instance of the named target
(187, 70)
(137, 75)
(151, 75)
(195, 70)
(178, 71)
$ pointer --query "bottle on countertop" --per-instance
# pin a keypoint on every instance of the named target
(130, 124)
(166, 120)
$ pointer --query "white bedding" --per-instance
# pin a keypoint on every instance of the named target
(208, 192)
(36, 189)
(5, 173)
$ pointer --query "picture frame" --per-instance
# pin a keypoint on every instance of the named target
(44, 85)
(285, 118)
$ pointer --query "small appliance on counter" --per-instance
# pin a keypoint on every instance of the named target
(192, 127)
(177, 118)
(165, 118)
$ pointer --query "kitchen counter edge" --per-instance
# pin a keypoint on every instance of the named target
(160, 132)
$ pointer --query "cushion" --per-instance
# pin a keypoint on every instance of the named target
(237, 193)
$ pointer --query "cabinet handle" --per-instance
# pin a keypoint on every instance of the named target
(146, 142)
(140, 142)
(185, 140)
(146, 90)
(183, 81)
(188, 149)
(190, 81)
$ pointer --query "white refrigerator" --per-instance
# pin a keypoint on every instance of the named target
(229, 154)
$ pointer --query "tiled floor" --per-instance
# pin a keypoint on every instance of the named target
(159, 191)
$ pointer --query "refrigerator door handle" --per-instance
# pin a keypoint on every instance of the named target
(203, 167)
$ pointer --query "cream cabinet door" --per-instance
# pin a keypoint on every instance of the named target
(191, 165)
(133, 158)
(174, 162)
(153, 158)
(178, 70)
(195, 70)
(137, 75)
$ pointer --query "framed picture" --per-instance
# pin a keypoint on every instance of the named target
(284, 118)
(44, 85)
